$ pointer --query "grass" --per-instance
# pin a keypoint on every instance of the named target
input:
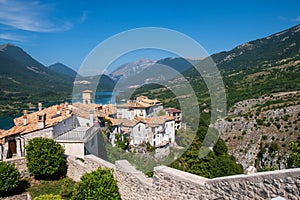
(49, 187)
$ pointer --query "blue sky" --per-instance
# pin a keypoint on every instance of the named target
(66, 31)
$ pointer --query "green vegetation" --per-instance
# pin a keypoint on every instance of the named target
(267, 168)
(48, 197)
(99, 184)
(54, 187)
(294, 158)
(122, 142)
(216, 164)
(9, 178)
(45, 158)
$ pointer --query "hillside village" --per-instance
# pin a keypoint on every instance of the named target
(78, 127)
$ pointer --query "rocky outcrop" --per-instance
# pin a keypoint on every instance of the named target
(253, 126)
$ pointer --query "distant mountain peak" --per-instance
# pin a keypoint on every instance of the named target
(131, 67)
(7, 46)
(62, 69)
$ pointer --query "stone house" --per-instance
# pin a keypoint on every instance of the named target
(174, 112)
(50, 122)
(141, 107)
(75, 131)
(158, 131)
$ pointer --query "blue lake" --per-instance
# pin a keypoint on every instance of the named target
(6, 122)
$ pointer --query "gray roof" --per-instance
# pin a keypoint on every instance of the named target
(81, 134)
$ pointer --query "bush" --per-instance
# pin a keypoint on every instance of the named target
(264, 137)
(273, 147)
(220, 147)
(48, 197)
(67, 188)
(9, 177)
(99, 184)
(45, 158)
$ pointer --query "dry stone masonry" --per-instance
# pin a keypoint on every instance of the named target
(169, 183)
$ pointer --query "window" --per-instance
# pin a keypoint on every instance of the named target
(139, 128)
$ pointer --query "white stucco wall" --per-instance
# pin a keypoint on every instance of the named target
(170, 130)
(139, 133)
(73, 148)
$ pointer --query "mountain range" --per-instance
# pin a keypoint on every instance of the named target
(23, 79)
(262, 83)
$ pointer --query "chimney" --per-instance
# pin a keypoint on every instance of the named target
(58, 111)
(68, 111)
(25, 117)
(91, 117)
(40, 106)
(41, 120)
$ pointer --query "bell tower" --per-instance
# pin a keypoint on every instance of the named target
(87, 96)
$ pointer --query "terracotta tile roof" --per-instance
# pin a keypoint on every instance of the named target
(172, 110)
(134, 104)
(113, 121)
(32, 121)
(108, 109)
(83, 110)
(125, 130)
(157, 120)
(127, 122)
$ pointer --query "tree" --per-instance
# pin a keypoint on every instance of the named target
(220, 148)
(45, 158)
(99, 184)
(9, 177)
(294, 159)
(122, 142)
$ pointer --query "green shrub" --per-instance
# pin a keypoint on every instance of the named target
(264, 137)
(9, 177)
(259, 122)
(45, 158)
(220, 147)
(99, 184)
(150, 148)
(267, 168)
(273, 147)
(294, 157)
(48, 197)
(67, 188)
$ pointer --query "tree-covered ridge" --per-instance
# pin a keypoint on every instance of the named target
(256, 69)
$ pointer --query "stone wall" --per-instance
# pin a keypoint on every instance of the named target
(20, 164)
(78, 167)
(169, 183)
